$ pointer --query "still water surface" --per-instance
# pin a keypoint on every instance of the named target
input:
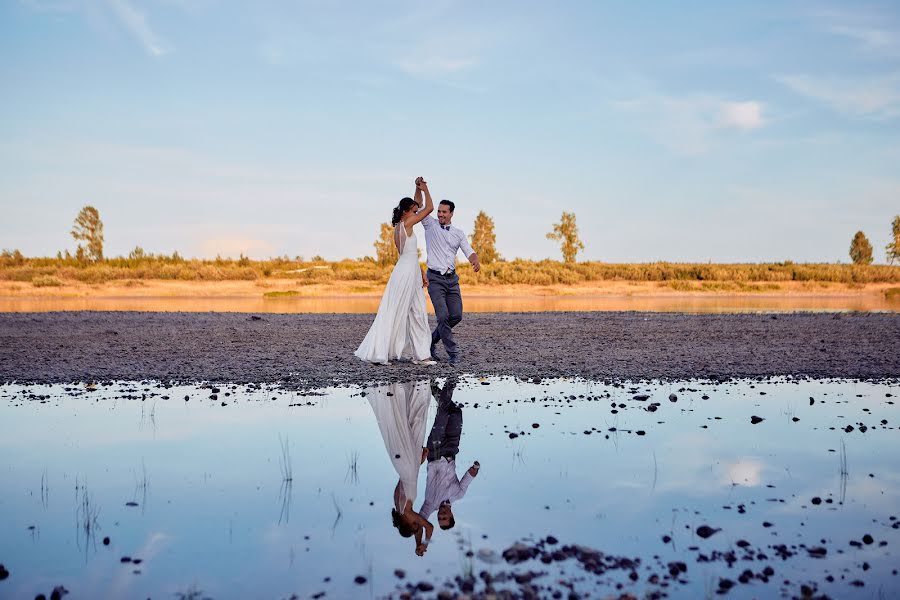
(369, 304)
(194, 487)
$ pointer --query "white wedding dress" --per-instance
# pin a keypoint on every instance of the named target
(402, 411)
(400, 329)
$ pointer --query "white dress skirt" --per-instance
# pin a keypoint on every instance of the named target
(400, 329)
(401, 410)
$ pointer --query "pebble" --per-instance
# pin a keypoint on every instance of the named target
(705, 531)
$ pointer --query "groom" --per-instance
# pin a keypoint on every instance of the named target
(443, 241)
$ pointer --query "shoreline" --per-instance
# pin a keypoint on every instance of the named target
(306, 351)
(287, 296)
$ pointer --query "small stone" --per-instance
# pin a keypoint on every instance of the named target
(705, 531)
(513, 436)
(816, 500)
(642, 397)
(359, 580)
(867, 539)
(399, 573)
(106, 541)
(755, 420)
(125, 559)
(3, 573)
(131, 504)
(535, 425)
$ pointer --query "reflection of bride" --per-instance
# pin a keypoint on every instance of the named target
(401, 410)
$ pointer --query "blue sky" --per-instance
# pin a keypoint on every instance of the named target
(682, 131)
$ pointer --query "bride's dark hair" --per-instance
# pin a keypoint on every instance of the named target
(401, 208)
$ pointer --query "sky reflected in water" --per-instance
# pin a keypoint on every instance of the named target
(264, 493)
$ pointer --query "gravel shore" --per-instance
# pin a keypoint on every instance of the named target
(316, 350)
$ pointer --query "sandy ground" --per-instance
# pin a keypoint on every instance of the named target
(315, 350)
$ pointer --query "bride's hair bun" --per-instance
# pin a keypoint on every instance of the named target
(401, 208)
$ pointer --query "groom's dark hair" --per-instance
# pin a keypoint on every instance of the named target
(450, 204)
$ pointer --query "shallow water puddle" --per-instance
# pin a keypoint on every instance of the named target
(753, 489)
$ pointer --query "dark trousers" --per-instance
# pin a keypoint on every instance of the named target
(448, 308)
(447, 429)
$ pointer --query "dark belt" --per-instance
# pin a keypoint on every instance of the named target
(447, 274)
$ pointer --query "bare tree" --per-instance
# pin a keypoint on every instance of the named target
(861, 249)
(484, 240)
(566, 232)
(89, 228)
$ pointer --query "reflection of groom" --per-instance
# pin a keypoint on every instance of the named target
(442, 486)
(443, 241)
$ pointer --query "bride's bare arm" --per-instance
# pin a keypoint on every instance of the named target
(426, 210)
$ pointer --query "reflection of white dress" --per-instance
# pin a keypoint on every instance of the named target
(401, 419)
(400, 329)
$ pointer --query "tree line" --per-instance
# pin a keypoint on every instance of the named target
(87, 230)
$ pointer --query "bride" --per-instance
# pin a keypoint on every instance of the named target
(400, 329)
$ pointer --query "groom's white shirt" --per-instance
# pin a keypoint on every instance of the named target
(443, 244)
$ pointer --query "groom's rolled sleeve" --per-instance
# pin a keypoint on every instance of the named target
(464, 245)
(429, 222)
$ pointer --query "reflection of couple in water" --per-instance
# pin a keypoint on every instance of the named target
(401, 411)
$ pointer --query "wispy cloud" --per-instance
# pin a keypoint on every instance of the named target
(692, 125)
(877, 97)
(743, 116)
(874, 33)
(136, 24)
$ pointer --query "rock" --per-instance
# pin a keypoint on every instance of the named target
(641, 397)
(513, 436)
(58, 592)
(359, 580)
(424, 586)
(535, 425)
(3, 573)
(106, 541)
(867, 539)
(817, 552)
(131, 504)
(705, 531)
(755, 420)
(399, 573)
(673, 398)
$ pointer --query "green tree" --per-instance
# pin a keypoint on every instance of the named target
(893, 248)
(861, 249)
(89, 229)
(566, 233)
(385, 249)
(484, 240)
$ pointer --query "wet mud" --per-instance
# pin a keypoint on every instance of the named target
(316, 350)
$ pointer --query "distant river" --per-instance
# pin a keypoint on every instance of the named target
(368, 304)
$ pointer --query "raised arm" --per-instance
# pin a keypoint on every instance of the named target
(422, 187)
(418, 195)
